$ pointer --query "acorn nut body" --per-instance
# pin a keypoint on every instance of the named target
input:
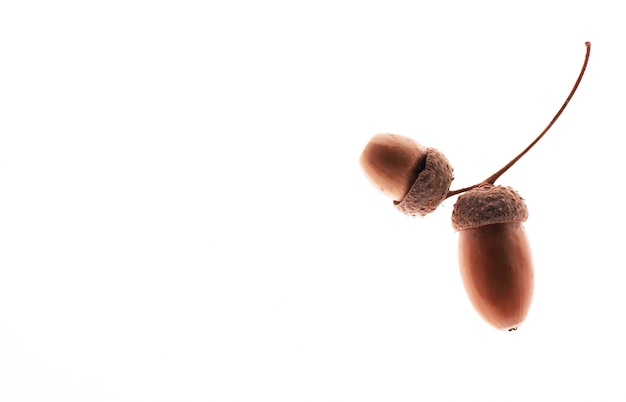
(415, 177)
(494, 254)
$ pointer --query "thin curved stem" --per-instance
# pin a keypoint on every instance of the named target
(491, 179)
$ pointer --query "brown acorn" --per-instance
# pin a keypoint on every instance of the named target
(494, 253)
(416, 177)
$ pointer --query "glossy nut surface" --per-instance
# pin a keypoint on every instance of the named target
(392, 162)
(497, 271)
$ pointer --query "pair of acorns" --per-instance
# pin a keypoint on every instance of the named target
(494, 252)
(495, 260)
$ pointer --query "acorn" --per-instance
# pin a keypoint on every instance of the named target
(494, 254)
(415, 177)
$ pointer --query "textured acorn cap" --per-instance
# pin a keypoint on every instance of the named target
(429, 188)
(486, 205)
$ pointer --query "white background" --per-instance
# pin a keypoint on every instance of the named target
(183, 216)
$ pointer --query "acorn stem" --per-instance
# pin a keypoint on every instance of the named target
(491, 179)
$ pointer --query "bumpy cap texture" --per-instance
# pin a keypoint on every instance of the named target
(486, 205)
(430, 188)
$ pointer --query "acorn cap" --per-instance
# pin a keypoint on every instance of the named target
(429, 188)
(486, 205)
